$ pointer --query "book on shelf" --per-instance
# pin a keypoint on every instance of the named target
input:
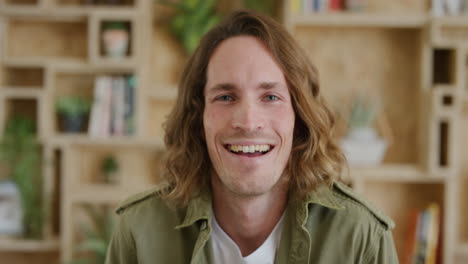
(319, 6)
(129, 111)
(423, 241)
(112, 108)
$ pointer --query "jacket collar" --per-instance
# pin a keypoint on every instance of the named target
(200, 207)
(324, 196)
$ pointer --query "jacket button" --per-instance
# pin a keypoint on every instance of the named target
(203, 225)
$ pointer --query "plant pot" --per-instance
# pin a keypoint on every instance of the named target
(73, 123)
(115, 42)
(362, 147)
(109, 178)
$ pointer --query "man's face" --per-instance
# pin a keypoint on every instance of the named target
(248, 117)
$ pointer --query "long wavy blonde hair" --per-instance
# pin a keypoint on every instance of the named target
(315, 158)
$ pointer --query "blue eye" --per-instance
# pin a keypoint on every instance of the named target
(271, 97)
(226, 98)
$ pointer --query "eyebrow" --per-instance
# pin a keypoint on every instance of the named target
(226, 87)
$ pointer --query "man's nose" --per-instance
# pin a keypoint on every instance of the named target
(248, 117)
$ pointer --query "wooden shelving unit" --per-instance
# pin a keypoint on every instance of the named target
(52, 48)
(417, 63)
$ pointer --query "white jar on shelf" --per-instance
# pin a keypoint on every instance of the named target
(11, 213)
(363, 147)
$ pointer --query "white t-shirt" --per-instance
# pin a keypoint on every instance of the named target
(226, 251)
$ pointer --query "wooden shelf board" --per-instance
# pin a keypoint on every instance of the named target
(120, 63)
(21, 92)
(68, 13)
(45, 61)
(22, 245)
(360, 20)
(445, 86)
(162, 92)
(83, 139)
(454, 21)
(23, 62)
(395, 173)
(83, 67)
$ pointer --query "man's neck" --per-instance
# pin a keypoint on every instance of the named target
(248, 221)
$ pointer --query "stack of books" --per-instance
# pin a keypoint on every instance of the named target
(113, 109)
(423, 243)
(320, 6)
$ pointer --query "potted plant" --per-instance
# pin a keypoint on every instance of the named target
(115, 38)
(362, 145)
(73, 111)
(20, 153)
(109, 168)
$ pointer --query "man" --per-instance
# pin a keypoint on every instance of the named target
(252, 172)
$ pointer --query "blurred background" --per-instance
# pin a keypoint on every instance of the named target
(85, 86)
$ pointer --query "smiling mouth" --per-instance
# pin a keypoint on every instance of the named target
(250, 151)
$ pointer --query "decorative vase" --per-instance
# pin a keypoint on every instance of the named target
(11, 212)
(115, 42)
(362, 147)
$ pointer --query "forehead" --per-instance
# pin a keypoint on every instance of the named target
(242, 60)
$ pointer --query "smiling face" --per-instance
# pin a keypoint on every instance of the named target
(248, 117)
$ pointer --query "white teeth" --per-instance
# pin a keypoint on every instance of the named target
(249, 149)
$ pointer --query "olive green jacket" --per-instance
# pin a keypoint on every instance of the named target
(332, 225)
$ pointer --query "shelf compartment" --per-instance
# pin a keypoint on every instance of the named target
(24, 107)
(53, 39)
(442, 153)
(388, 68)
(19, 77)
(444, 100)
(70, 84)
(398, 200)
(137, 170)
(444, 63)
(98, 21)
(82, 84)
